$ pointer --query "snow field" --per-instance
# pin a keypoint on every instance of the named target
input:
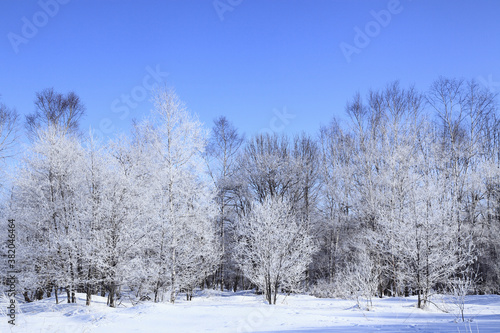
(246, 312)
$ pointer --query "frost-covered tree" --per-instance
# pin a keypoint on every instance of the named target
(305, 167)
(268, 168)
(305, 154)
(430, 255)
(338, 229)
(411, 204)
(399, 113)
(47, 203)
(77, 210)
(98, 178)
(115, 215)
(466, 114)
(182, 229)
(273, 248)
(403, 199)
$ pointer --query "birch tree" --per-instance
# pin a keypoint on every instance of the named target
(183, 233)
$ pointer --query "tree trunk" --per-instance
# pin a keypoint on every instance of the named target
(275, 292)
(111, 295)
(89, 288)
(268, 290)
(223, 248)
(26, 297)
(89, 294)
(235, 283)
(49, 290)
(172, 281)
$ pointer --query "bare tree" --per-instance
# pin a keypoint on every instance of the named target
(269, 168)
(8, 131)
(55, 109)
(221, 153)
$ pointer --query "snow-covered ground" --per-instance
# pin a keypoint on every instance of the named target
(246, 312)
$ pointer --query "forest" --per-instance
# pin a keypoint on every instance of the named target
(401, 199)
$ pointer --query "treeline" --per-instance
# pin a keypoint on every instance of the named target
(403, 199)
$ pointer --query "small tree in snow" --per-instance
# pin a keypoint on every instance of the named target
(460, 287)
(273, 248)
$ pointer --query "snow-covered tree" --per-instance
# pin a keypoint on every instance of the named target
(183, 241)
(273, 247)
(269, 169)
(47, 202)
(400, 201)
(408, 211)
(115, 213)
(338, 229)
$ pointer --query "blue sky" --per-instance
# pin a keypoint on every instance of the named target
(266, 65)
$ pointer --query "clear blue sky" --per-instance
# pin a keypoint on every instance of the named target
(261, 56)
